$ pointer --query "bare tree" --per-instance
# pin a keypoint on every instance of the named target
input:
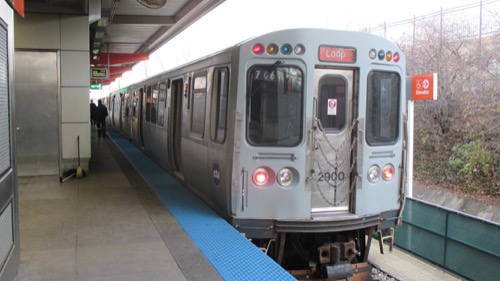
(457, 136)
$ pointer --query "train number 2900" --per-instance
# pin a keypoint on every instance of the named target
(331, 176)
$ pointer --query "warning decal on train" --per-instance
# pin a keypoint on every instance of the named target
(332, 107)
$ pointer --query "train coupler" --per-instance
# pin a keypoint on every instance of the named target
(350, 272)
(341, 271)
(334, 253)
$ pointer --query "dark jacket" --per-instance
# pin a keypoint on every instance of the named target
(101, 112)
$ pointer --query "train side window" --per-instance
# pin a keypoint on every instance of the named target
(135, 100)
(121, 107)
(332, 103)
(154, 103)
(199, 94)
(149, 98)
(382, 107)
(219, 104)
(162, 103)
(126, 108)
(5, 130)
(116, 105)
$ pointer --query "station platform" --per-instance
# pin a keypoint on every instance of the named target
(113, 224)
(127, 219)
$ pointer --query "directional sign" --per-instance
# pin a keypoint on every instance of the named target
(96, 86)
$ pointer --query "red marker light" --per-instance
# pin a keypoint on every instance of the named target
(260, 177)
(388, 172)
(258, 49)
(395, 58)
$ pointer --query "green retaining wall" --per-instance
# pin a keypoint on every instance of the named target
(460, 243)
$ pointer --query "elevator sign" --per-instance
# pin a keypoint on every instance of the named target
(424, 86)
(99, 73)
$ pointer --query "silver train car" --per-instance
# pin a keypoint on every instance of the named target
(296, 137)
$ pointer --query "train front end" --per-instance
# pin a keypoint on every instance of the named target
(319, 144)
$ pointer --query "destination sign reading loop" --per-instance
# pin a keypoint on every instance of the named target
(337, 54)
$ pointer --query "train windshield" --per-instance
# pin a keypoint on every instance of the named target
(274, 105)
(383, 99)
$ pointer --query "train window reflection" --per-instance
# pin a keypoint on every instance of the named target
(135, 100)
(154, 103)
(382, 108)
(274, 105)
(199, 98)
(162, 98)
(219, 104)
(148, 104)
(126, 111)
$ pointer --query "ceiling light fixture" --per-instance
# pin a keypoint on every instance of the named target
(152, 4)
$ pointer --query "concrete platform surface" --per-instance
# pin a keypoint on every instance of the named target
(106, 226)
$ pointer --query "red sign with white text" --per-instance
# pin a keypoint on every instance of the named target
(337, 54)
(424, 87)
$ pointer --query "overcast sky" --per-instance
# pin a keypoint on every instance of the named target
(236, 20)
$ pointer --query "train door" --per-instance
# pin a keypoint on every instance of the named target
(175, 125)
(332, 163)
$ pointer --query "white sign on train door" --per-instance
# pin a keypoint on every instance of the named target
(332, 107)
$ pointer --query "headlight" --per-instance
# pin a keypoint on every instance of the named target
(285, 177)
(373, 173)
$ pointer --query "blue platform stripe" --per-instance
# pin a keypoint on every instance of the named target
(231, 254)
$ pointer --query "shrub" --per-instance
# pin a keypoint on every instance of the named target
(474, 164)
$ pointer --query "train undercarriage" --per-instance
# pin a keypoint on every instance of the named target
(322, 256)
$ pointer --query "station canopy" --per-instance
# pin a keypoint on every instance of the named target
(125, 32)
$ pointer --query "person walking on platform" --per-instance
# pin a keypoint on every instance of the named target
(101, 114)
(93, 109)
